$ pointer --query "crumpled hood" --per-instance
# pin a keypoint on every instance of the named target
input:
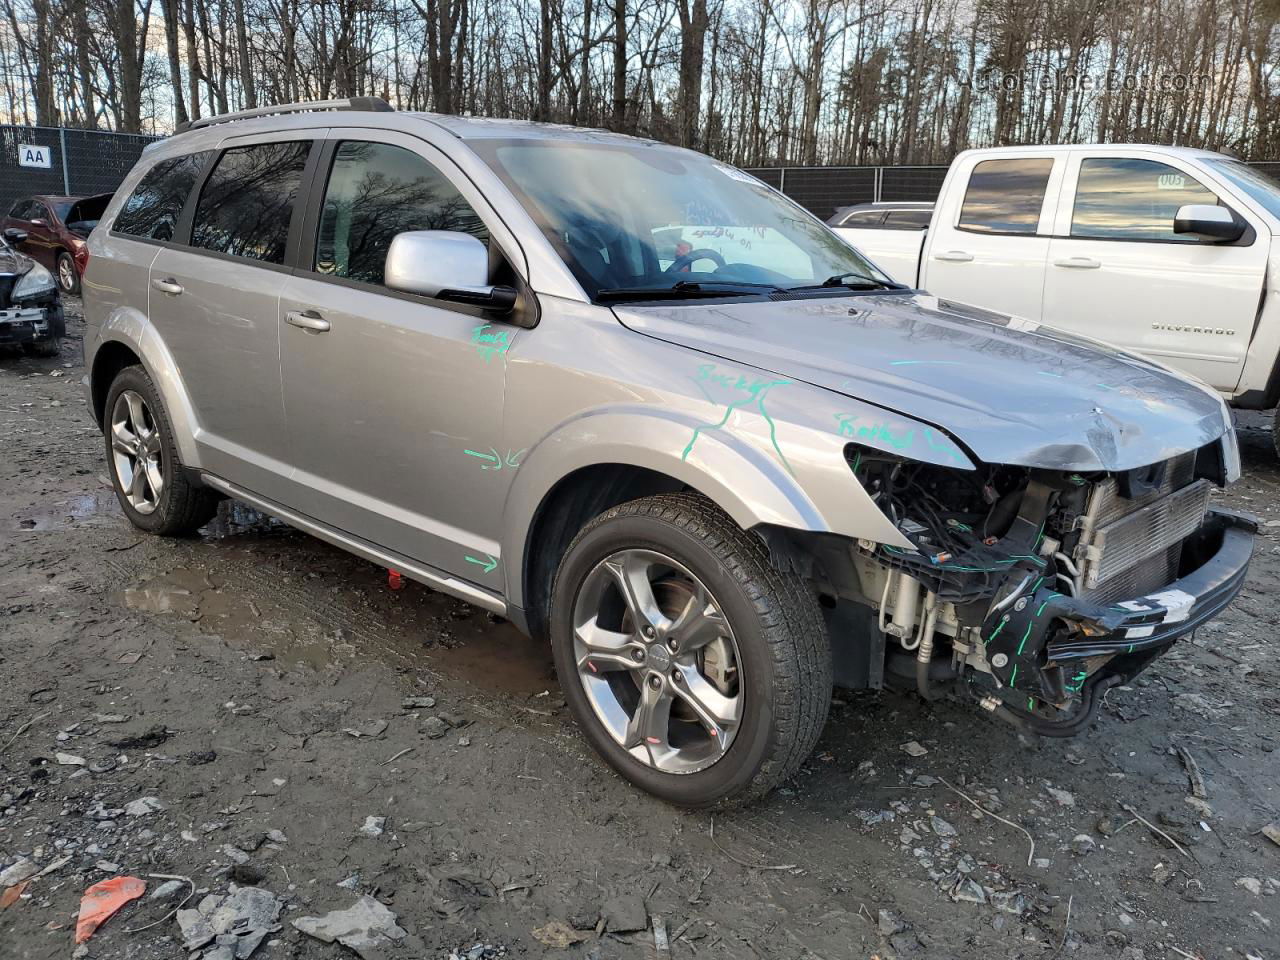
(1010, 390)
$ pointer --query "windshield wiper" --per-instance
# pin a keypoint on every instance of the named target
(851, 281)
(689, 290)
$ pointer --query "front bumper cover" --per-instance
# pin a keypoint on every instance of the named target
(1041, 643)
(27, 324)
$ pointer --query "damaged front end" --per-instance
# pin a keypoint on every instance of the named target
(1036, 590)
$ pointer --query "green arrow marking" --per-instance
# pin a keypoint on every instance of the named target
(489, 563)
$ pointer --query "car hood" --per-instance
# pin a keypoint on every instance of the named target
(1012, 391)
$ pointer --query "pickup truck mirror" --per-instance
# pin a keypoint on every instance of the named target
(14, 235)
(1208, 222)
(445, 265)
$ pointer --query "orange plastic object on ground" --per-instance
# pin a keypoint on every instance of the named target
(395, 580)
(102, 900)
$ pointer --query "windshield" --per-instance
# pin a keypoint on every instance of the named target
(634, 220)
(1252, 181)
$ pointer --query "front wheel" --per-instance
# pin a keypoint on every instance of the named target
(695, 668)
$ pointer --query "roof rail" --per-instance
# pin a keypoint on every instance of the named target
(376, 104)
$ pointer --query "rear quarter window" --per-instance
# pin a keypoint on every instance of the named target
(152, 210)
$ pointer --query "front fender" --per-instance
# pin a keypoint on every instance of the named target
(812, 490)
(131, 328)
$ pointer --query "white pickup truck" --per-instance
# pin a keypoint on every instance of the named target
(1166, 251)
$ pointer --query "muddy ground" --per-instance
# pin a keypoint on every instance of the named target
(237, 669)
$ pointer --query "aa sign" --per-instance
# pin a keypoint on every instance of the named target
(33, 156)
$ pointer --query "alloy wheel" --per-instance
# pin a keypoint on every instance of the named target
(135, 452)
(66, 274)
(658, 661)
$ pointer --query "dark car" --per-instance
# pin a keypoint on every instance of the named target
(30, 306)
(56, 229)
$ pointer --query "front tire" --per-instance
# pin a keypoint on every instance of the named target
(146, 472)
(50, 347)
(695, 668)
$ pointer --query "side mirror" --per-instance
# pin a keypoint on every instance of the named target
(1208, 222)
(14, 235)
(446, 265)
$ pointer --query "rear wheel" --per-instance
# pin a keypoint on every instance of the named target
(68, 276)
(695, 668)
(146, 472)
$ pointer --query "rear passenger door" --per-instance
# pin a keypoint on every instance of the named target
(990, 241)
(215, 297)
(394, 401)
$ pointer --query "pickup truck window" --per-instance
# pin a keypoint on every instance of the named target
(908, 219)
(1124, 198)
(375, 191)
(683, 220)
(863, 218)
(1005, 196)
(1252, 181)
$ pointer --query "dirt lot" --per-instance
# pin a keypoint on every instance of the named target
(254, 681)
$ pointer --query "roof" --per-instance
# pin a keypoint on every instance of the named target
(485, 128)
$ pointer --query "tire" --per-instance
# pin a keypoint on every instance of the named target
(51, 347)
(180, 507)
(1275, 431)
(67, 274)
(769, 621)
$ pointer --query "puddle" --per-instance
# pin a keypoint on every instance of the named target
(100, 506)
(236, 519)
(496, 657)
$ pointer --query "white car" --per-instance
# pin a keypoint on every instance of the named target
(1165, 251)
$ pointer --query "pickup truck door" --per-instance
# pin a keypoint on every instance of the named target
(1119, 273)
(990, 234)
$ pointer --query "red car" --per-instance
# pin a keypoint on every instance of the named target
(56, 229)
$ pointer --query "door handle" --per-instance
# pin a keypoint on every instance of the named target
(170, 286)
(1078, 263)
(307, 320)
(954, 256)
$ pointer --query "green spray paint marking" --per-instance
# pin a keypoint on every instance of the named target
(489, 562)
(847, 428)
(487, 344)
(1031, 703)
(1025, 637)
(1046, 602)
(1076, 682)
(996, 631)
(755, 390)
(1013, 677)
(496, 461)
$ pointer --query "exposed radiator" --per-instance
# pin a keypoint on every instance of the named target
(1130, 547)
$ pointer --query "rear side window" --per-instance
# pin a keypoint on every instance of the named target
(1005, 196)
(22, 210)
(1124, 198)
(863, 218)
(248, 200)
(908, 219)
(375, 191)
(153, 208)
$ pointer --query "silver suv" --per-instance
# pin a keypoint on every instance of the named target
(650, 410)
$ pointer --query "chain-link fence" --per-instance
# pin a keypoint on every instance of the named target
(79, 162)
(96, 162)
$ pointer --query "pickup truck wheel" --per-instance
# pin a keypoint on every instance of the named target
(695, 668)
(50, 347)
(146, 472)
